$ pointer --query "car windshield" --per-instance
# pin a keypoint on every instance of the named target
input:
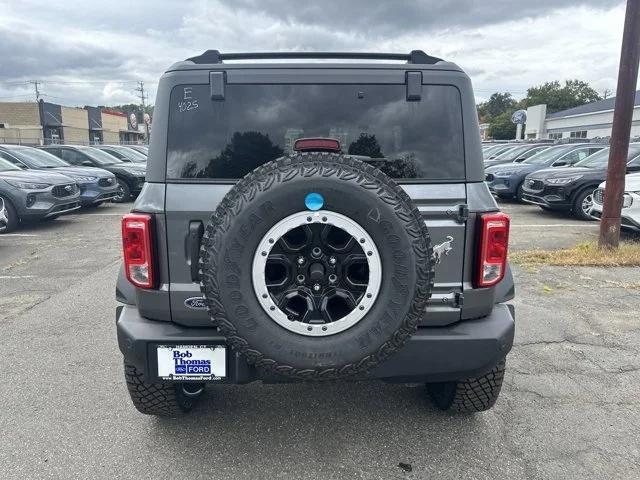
(130, 154)
(494, 152)
(548, 156)
(513, 153)
(100, 157)
(601, 159)
(7, 166)
(38, 158)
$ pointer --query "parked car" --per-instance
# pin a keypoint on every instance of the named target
(130, 176)
(250, 256)
(517, 154)
(571, 188)
(498, 150)
(33, 195)
(630, 217)
(505, 180)
(143, 149)
(122, 153)
(96, 185)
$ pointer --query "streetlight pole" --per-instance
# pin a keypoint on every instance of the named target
(621, 130)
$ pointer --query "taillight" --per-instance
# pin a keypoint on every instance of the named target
(323, 144)
(492, 252)
(137, 245)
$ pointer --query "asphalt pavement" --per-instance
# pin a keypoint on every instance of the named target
(569, 408)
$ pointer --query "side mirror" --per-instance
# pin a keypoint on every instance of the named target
(560, 163)
(87, 163)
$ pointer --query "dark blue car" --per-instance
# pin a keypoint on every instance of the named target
(505, 180)
(96, 185)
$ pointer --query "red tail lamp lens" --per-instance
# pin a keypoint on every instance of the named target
(493, 246)
(322, 144)
(137, 245)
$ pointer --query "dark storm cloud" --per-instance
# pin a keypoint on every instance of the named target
(32, 53)
(394, 18)
(103, 47)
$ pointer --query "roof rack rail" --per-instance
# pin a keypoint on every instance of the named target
(414, 57)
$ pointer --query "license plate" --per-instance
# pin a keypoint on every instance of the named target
(192, 362)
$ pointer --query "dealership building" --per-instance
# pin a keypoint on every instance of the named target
(43, 123)
(593, 120)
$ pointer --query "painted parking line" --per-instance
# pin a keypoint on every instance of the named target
(18, 235)
(15, 277)
(94, 215)
(552, 225)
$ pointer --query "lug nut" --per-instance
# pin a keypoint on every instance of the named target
(332, 260)
(300, 260)
(300, 278)
(316, 287)
(316, 252)
(333, 278)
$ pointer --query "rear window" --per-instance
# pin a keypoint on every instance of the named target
(257, 123)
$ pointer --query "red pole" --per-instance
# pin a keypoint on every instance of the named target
(621, 130)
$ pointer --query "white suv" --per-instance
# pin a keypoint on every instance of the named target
(631, 205)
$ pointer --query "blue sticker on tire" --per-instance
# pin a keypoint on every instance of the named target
(314, 201)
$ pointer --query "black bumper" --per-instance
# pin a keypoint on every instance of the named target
(433, 354)
(554, 197)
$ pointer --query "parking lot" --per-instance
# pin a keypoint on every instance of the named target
(569, 409)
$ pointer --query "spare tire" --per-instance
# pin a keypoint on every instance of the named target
(316, 266)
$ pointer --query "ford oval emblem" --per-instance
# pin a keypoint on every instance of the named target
(195, 303)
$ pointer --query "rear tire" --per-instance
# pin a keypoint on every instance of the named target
(8, 216)
(471, 395)
(160, 399)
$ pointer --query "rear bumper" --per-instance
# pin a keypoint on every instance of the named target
(433, 354)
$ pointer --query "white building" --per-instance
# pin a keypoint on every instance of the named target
(586, 121)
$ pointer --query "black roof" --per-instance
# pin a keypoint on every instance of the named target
(607, 104)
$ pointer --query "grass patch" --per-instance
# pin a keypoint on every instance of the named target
(584, 254)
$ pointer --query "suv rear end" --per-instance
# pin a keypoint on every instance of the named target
(416, 122)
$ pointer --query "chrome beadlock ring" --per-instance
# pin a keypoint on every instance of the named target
(325, 217)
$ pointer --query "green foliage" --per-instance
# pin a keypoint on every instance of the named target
(502, 128)
(497, 104)
(366, 145)
(560, 97)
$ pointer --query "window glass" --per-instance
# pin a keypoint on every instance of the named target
(258, 123)
(39, 158)
(5, 165)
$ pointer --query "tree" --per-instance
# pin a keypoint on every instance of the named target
(560, 97)
(246, 151)
(502, 128)
(366, 145)
(497, 104)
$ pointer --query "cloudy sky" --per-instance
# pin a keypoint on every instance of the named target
(95, 52)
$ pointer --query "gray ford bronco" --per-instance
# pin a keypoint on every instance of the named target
(312, 221)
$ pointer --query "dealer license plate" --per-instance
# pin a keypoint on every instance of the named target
(192, 362)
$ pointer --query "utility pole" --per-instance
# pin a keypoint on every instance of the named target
(143, 97)
(621, 130)
(35, 84)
